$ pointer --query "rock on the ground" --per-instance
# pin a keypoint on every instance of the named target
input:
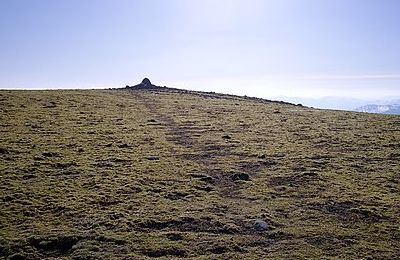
(153, 158)
(241, 177)
(260, 225)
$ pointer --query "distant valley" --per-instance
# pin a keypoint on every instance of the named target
(380, 109)
(379, 106)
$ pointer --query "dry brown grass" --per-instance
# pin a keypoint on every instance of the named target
(137, 174)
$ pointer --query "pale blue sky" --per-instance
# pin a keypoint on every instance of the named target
(263, 48)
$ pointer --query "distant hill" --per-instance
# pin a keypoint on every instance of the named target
(386, 105)
(380, 109)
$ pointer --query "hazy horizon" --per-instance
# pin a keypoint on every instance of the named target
(262, 48)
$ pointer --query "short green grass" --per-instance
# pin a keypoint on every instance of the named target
(135, 174)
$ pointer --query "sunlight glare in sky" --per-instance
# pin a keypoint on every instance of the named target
(250, 47)
(221, 15)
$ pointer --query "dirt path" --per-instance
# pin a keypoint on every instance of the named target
(206, 155)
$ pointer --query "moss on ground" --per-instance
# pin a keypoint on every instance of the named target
(136, 174)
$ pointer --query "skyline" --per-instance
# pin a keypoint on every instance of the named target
(258, 48)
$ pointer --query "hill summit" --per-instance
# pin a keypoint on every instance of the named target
(145, 84)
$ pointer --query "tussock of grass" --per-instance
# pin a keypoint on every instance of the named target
(162, 173)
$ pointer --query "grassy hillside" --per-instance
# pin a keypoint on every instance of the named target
(104, 174)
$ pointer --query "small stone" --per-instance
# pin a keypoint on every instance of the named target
(202, 177)
(260, 225)
(49, 154)
(241, 177)
(153, 158)
(124, 145)
(310, 174)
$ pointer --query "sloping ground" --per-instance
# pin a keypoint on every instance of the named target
(134, 174)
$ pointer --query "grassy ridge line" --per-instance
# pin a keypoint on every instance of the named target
(206, 94)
